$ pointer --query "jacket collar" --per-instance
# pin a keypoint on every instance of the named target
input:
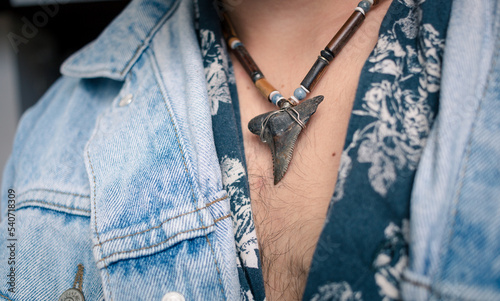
(119, 46)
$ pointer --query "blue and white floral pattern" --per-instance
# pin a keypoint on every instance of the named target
(337, 292)
(395, 105)
(392, 143)
(228, 142)
(391, 259)
(216, 66)
(233, 173)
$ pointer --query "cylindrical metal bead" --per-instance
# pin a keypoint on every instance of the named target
(264, 87)
(345, 33)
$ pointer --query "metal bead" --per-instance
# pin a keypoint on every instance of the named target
(294, 101)
(283, 103)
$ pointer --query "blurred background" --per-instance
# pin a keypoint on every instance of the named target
(36, 36)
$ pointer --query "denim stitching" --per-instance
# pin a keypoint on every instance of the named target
(156, 68)
(50, 204)
(166, 240)
(5, 297)
(215, 259)
(56, 191)
(95, 222)
(162, 223)
(216, 201)
(148, 38)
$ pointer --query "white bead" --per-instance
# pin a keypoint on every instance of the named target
(307, 91)
(360, 10)
(235, 43)
(275, 92)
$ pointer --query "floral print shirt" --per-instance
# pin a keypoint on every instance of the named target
(363, 247)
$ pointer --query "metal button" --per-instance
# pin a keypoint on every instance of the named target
(126, 100)
(72, 295)
(173, 296)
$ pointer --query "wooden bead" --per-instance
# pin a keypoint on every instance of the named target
(264, 87)
(315, 73)
(240, 51)
(228, 26)
(345, 33)
(248, 63)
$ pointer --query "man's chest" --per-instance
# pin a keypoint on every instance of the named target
(289, 216)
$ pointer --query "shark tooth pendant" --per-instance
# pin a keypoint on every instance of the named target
(280, 130)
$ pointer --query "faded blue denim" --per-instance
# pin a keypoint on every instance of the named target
(134, 192)
(455, 211)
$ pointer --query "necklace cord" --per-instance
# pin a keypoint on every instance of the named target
(315, 73)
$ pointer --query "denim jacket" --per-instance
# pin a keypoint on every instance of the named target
(455, 206)
(129, 120)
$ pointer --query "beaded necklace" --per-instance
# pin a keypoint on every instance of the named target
(280, 129)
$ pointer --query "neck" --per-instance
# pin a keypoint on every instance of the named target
(284, 37)
(288, 23)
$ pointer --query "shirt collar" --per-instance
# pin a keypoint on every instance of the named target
(119, 46)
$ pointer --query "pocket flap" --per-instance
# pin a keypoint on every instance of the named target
(143, 239)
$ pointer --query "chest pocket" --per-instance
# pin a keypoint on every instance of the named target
(144, 196)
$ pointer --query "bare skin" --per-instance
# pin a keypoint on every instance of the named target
(284, 38)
